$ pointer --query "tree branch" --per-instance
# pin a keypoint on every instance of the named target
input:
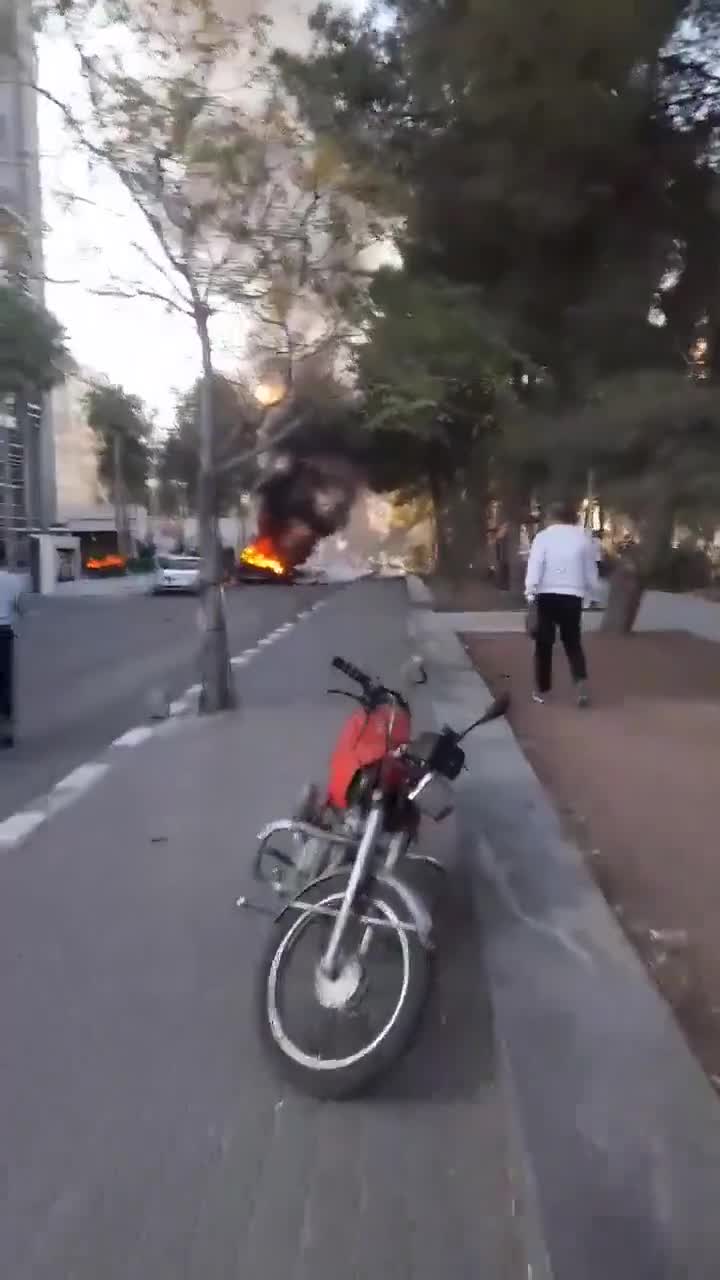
(140, 292)
(262, 446)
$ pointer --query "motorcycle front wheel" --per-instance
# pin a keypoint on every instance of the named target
(333, 1037)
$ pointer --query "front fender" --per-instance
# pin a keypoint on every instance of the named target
(416, 907)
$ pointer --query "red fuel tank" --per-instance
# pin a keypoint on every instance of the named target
(363, 740)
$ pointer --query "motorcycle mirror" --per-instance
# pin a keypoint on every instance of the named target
(498, 707)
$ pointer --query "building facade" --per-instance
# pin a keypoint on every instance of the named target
(27, 459)
(77, 474)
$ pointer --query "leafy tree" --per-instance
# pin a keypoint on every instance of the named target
(122, 430)
(654, 439)
(33, 358)
(33, 354)
(562, 165)
(236, 421)
(433, 373)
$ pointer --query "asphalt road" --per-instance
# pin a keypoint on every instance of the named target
(86, 669)
(143, 1135)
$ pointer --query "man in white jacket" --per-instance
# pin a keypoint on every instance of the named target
(561, 573)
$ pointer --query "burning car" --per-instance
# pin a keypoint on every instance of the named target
(302, 499)
(106, 566)
(259, 562)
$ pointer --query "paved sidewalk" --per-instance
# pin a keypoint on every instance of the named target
(617, 1127)
(143, 1136)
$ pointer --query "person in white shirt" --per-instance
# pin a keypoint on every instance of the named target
(561, 572)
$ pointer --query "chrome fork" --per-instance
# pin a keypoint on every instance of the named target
(398, 846)
(366, 849)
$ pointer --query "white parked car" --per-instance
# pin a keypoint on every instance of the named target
(178, 574)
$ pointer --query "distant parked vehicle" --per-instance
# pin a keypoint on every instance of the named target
(393, 567)
(177, 574)
(310, 578)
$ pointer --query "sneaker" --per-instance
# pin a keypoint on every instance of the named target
(583, 696)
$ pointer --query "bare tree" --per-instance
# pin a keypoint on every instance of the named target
(242, 208)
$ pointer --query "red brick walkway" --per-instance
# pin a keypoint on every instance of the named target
(638, 781)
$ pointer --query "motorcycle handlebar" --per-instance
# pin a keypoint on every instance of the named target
(353, 673)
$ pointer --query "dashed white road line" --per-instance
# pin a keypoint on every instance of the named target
(81, 778)
(134, 737)
(16, 829)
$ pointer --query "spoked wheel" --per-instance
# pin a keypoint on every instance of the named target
(333, 1035)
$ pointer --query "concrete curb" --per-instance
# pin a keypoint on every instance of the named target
(104, 588)
(616, 1129)
(418, 592)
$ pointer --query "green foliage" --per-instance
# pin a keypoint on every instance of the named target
(33, 354)
(115, 415)
(558, 168)
(236, 423)
(651, 434)
(430, 343)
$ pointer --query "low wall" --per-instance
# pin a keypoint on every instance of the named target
(665, 611)
(659, 611)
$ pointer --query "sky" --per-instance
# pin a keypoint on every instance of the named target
(137, 343)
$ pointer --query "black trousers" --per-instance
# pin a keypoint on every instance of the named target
(563, 614)
(7, 646)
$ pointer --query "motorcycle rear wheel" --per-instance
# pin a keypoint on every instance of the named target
(331, 1050)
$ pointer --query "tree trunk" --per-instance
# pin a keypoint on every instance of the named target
(627, 588)
(217, 692)
(120, 499)
(514, 508)
(630, 578)
(443, 548)
(460, 512)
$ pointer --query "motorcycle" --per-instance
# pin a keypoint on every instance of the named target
(346, 971)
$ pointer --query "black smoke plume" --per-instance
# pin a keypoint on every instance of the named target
(308, 486)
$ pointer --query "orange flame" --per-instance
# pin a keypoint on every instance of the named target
(263, 554)
(106, 562)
